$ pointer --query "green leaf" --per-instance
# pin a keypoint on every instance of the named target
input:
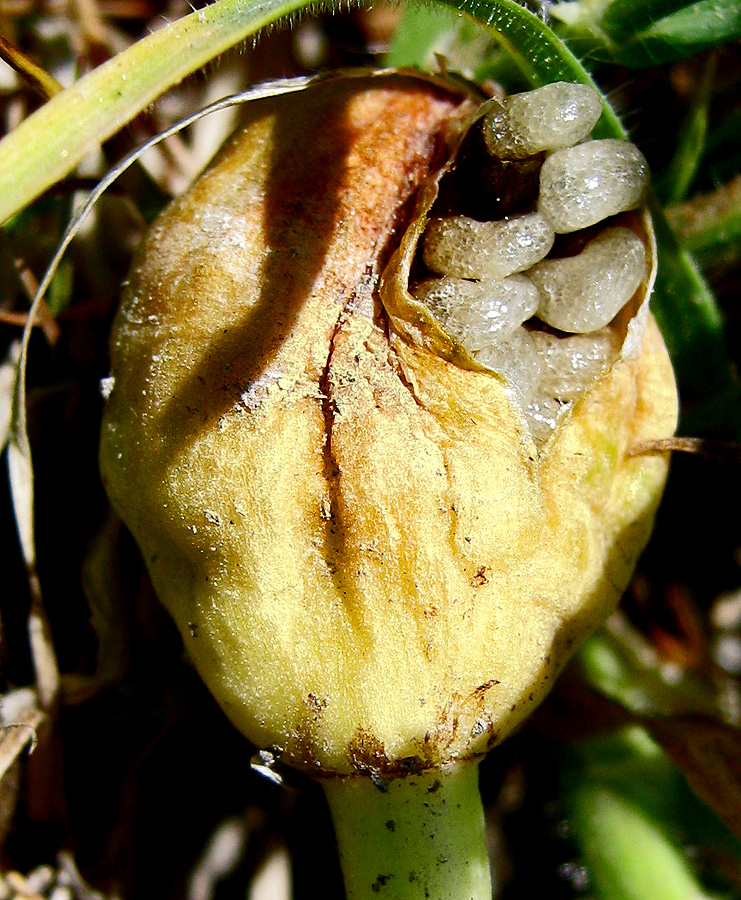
(697, 27)
(683, 713)
(689, 318)
(423, 31)
(618, 662)
(642, 33)
(630, 810)
(625, 19)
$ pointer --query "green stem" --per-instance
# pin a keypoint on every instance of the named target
(628, 854)
(419, 838)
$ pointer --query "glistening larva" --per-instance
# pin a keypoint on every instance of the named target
(521, 292)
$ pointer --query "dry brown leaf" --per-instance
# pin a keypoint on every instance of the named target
(709, 754)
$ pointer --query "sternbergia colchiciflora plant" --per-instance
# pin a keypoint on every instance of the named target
(378, 379)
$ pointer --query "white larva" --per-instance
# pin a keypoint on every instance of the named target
(547, 329)
(480, 313)
(583, 185)
(466, 248)
(549, 118)
(586, 291)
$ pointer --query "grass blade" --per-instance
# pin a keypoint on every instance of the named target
(676, 181)
(49, 144)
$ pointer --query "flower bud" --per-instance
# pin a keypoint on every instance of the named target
(376, 559)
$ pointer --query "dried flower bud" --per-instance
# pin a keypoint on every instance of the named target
(376, 560)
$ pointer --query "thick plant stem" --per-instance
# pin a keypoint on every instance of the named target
(420, 837)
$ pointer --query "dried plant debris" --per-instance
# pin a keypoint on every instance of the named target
(19, 719)
(61, 881)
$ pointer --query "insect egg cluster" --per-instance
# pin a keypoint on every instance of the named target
(530, 285)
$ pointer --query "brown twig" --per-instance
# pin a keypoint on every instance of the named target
(720, 451)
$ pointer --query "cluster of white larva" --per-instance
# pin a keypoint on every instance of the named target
(493, 284)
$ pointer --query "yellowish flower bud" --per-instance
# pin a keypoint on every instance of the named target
(376, 561)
